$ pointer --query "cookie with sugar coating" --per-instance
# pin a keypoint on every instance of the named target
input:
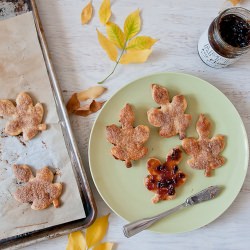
(170, 117)
(128, 141)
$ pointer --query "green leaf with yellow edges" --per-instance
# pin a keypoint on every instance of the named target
(132, 24)
(141, 42)
(115, 34)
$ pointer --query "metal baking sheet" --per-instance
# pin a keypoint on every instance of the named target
(9, 9)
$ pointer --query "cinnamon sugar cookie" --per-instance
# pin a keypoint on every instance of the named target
(25, 117)
(170, 117)
(204, 151)
(39, 190)
(127, 140)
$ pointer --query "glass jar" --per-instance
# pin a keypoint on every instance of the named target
(226, 39)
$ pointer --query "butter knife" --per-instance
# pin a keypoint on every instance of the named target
(142, 224)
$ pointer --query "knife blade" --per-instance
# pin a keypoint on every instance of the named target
(204, 195)
(142, 224)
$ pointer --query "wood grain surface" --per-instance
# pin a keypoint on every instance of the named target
(80, 62)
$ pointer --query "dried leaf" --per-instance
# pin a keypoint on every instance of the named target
(105, 12)
(76, 241)
(73, 104)
(235, 2)
(96, 232)
(82, 112)
(89, 109)
(104, 246)
(108, 46)
(90, 93)
(135, 56)
(115, 34)
(140, 43)
(132, 24)
(95, 106)
(86, 14)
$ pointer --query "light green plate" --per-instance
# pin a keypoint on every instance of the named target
(123, 189)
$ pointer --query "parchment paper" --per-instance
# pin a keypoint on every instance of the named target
(22, 68)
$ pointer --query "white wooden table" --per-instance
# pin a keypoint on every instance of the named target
(80, 62)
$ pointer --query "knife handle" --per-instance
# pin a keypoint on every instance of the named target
(142, 224)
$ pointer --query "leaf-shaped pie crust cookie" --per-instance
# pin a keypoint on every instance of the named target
(25, 117)
(127, 140)
(205, 151)
(39, 190)
(164, 178)
(170, 116)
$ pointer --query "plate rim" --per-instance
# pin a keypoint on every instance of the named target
(246, 141)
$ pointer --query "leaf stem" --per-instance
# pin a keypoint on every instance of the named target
(117, 62)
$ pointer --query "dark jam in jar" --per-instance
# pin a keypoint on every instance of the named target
(227, 38)
(235, 31)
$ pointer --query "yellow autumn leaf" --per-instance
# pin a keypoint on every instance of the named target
(108, 46)
(70, 245)
(104, 246)
(141, 42)
(235, 2)
(96, 232)
(115, 34)
(105, 11)
(76, 241)
(132, 24)
(87, 13)
(135, 56)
